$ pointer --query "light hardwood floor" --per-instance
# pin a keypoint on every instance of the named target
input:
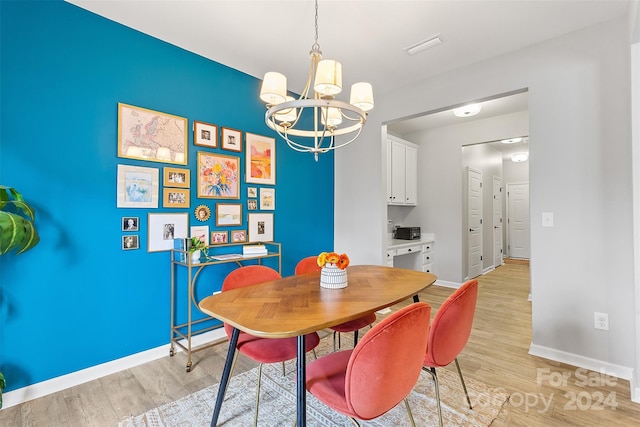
(497, 354)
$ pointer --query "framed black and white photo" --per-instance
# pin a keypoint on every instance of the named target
(164, 227)
(205, 134)
(231, 139)
(261, 227)
(176, 177)
(130, 241)
(130, 223)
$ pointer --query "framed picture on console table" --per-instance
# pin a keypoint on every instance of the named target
(261, 227)
(163, 228)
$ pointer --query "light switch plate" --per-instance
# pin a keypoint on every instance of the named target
(547, 219)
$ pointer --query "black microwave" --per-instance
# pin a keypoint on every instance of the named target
(408, 233)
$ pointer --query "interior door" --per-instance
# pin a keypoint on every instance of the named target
(519, 225)
(497, 221)
(474, 221)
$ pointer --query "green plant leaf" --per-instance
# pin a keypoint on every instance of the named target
(16, 228)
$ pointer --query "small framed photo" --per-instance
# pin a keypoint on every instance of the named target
(231, 139)
(201, 232)
(252, 205)
(252, 192)
(130, 223)
(137, 187)
(261, 227)
(164, 227)
(238, 236)
(176, 177)
(176, 198)
(218, 176)
(228, 214)
(260, 163)
(205, 134)
(130, 241)
(219, 237)
(267, 199)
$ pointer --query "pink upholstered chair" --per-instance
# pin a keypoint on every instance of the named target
(393, 349)
(449, 333)
(262, 350)
(309, 265)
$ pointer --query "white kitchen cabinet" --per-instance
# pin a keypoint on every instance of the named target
(412, 255)
(402, 172)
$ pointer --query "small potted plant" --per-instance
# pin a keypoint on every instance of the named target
(196, 248)
(17, 231)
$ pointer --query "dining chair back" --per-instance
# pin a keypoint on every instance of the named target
(449, 333)
(310, 265)
(262, 350)
(369, 380)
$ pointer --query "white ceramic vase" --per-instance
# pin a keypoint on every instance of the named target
(332, 277)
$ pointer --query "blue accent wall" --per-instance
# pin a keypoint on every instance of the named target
(77, 299)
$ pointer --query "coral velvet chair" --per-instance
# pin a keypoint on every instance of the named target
(371, 379)
(310, 265)
(262, 350)
(449, 333)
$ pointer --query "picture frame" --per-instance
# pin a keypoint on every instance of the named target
(252, 192)
(205, 134)
(267, 199)
(150, 135)
(261, 227)
(164, 227)
(260, 160)
(219, 237)
(252, 204)
(201, 232)
(175, 198)
(130, 241)
(218, 176)
(130, 223)
(137, 187)
(231, 139)
(238, 236)
(202, 213)
(176, 177)
(228, 214)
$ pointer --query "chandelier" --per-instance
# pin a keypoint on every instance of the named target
(325, 117)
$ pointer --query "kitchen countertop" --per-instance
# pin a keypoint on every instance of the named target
(400, 243)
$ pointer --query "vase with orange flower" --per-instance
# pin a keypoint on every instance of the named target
(334, 270)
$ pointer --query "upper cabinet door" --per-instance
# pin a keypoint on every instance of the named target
(402, 173)
(398, 176)
(411, 175)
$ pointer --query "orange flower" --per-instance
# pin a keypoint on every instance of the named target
(340, 261)
(343, 262)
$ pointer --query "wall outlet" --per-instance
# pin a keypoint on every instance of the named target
(601, 321)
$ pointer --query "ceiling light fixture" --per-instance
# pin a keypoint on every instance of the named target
(325, 114)
(511, 140)
(519, 157)
(467, 110)
(423, 45)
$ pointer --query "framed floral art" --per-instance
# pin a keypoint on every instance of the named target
(218, 176)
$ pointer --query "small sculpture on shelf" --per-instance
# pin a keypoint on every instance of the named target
(334, 270)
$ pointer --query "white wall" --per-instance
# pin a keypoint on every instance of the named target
(579, 110)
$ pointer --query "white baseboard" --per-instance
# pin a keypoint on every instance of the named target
(63, 382)
(447, 284)
(618, 371)
(488, 270)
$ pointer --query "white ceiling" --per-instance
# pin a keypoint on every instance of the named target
(366, 36)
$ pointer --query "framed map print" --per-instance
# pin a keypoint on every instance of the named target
(260, 159)
(150, 135)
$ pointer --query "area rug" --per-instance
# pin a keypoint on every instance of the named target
(278, 404)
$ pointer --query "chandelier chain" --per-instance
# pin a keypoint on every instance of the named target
(315, 45)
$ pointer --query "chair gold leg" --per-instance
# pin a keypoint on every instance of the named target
(284, 373)
(255, 415)
(432, 371)
(233, 365)
(463, 384)
(334, 341)
(406, 404)
(355, 423)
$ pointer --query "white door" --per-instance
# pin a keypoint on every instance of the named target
(519, 226)
(474, 216)
(497, 221)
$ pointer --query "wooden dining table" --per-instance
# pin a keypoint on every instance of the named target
(297, 305)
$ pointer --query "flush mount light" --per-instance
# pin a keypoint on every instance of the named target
(511, 141)
(423, 45)
(467, 110)
(519, 157)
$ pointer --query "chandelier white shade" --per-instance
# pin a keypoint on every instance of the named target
(312, 122)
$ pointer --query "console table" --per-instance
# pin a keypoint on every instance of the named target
(182, 259)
